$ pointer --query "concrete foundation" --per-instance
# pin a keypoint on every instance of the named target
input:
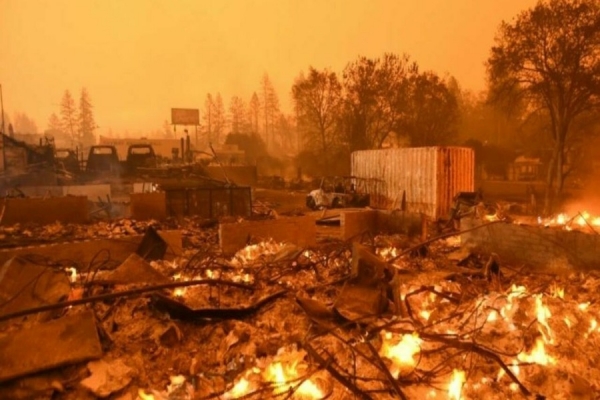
(551, 249)
(91, 191)
(355, 223)
(67, 209)
(301, 231)
(83, 252)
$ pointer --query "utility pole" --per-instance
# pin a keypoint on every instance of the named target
(2, 107)
(2, 152)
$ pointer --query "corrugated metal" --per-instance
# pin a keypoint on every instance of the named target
(429, 177)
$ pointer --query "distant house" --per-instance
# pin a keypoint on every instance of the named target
(525, 169)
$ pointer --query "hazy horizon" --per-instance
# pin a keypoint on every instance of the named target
(138, 59)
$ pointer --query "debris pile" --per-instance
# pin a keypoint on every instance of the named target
(385, 318)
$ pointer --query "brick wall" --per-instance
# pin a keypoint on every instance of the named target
(301, 231)
(552, 249)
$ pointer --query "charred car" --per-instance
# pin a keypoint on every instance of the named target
(338, 192)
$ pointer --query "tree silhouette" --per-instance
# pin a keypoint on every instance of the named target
(550, 57)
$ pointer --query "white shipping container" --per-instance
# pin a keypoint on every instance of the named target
(429, 177)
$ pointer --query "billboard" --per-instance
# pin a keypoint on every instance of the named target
(185, 116)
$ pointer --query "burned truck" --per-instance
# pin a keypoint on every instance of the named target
(338, 192)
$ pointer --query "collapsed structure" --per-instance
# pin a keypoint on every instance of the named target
(186, 302)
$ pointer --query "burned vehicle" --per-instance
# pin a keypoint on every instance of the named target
(103, 161)
(140, 156)
(339, 192)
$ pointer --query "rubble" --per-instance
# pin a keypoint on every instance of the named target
(107, 377)
(380, 317)
(65, 341)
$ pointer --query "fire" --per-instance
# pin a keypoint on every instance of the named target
(284, 377)
(537, 355)
(515, 292)
(583, 306)
(72, 274)
(513, 367)
(558, 292)
(491, 218)
(580, 220)
(144, 396)
(592, 328)
(403, 352)
(456, 384)
(253, 252)
(387, 253)
(179, 292)
(542, 314)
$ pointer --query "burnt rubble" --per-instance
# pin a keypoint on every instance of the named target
(385, 316)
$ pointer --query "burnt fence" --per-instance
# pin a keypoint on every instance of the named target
(209, 202)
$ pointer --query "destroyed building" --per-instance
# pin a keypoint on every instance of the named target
(200, 291)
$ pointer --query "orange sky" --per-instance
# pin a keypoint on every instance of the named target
(140, 58)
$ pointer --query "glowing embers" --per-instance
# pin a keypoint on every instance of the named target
(286, 373)
(456, 384)
(537, 355)
(401, 350)
(254, 252)
(582, 221)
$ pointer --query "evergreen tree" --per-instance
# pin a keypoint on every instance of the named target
(85, 120)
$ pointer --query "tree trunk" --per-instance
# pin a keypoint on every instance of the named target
(559, 171)
(548, 197)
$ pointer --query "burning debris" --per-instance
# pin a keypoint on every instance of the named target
(371, 320)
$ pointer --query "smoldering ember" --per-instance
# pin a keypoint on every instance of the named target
(395, 236)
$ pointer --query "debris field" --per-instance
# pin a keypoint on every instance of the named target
(378, 317)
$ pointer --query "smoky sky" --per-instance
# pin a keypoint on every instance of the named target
(139, 58)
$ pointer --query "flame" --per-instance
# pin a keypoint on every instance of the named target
(580, 220)
(387, 252)
(241, 388)
(282, 376)
(542, 315)
(514, 368)
(144, 396)
(592, 328)
(179, 292)
(583, 306)
(537, 355)
(456, 384)
(401, 353)
(491, 217)
(558, 292)
(515, 292)
(73, 274)
(253, 252)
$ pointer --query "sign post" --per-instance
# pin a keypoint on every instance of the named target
(186, 117)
